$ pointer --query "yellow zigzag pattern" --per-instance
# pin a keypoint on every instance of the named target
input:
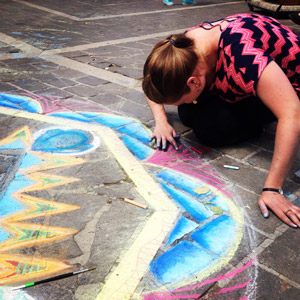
(15, 267)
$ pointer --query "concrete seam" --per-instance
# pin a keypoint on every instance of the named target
(272, 271)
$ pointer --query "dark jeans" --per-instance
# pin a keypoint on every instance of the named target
(219, 123)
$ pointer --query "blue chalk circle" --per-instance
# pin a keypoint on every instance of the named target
(64, 141)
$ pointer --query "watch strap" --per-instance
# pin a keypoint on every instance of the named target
(279, 191)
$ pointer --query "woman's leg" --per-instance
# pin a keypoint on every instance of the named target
(219, 123)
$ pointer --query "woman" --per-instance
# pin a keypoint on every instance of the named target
(244, 71)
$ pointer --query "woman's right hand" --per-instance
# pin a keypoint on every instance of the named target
(164, 133)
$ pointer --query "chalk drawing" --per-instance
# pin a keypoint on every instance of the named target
(173, 294)
(207, 211)
(16, 205)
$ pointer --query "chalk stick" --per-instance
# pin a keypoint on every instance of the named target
(194, 149)
(135, 203)
(231, 167)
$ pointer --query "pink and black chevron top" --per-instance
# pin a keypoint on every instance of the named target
(247, 44)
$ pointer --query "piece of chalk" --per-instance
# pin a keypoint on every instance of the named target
(135, 203)
(194, 149)
(205, 149)
(231, 167)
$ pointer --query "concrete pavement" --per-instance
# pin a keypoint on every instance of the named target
(74, 147)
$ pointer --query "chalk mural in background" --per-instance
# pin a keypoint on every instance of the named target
(210, 226)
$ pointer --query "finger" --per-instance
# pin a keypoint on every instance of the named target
(158, 143)
(294, 218)
(297, 208)
(263, 208)
(164, 143)
(286, 220)
(173, 142)
(177, 140)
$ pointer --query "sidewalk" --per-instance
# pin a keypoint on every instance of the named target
(74, 149)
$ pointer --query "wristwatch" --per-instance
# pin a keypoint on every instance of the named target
(279, 191)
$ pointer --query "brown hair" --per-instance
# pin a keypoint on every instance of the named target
(167, 69)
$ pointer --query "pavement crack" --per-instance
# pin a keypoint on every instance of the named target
(85, 238)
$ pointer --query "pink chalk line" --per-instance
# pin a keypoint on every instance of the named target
(50, 105)
(164, 294)
(232, 288)
(170, 159)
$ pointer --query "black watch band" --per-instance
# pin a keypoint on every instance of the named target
(279, 191)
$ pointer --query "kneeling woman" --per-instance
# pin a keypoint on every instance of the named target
(229, 78)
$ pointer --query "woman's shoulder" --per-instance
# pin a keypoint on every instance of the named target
(229, 19)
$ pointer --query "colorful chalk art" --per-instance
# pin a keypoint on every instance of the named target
(196, 243)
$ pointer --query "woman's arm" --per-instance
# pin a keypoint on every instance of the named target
(276, 91)
(163, 131)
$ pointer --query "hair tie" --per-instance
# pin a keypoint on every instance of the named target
(172, 41)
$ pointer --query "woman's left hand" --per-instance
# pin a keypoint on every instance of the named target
(286, 211)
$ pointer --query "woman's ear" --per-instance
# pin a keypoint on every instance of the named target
(194, 83)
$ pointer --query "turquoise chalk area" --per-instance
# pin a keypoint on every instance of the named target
(89, 115)
(183, 182)
(13, 98)
(3, 237)
(183, 226)
(112, 121)
(14, 145)
(71, 116)
(217, 235)
(183, 260)
(29, 160)
(9, 104)
(31, 106)
(139, 149)
(190, 204)
(19, 102)
(9, 205)
(137, 131)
